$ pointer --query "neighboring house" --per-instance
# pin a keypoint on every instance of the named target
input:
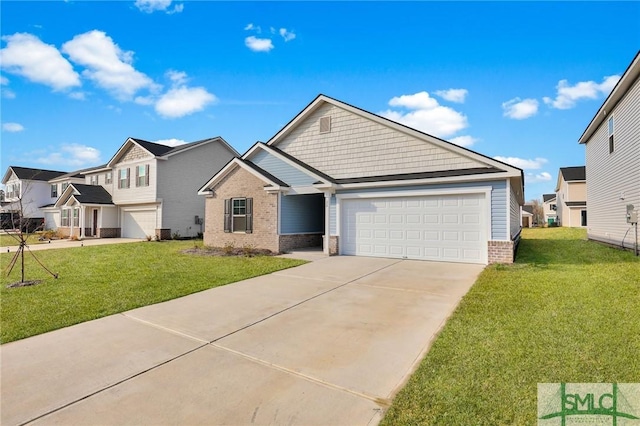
(612, 145)
(527, 216)
(28, 190)
(571, 197)
(145, 190)
(355, 183)
(52, 214)
(549, 208)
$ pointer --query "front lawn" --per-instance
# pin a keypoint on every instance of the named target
(568, 311)
(12, 240)
(102, 280)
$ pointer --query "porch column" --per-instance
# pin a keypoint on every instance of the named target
(82, 222)
(327, 221)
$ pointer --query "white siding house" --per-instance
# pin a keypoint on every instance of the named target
(612, 145)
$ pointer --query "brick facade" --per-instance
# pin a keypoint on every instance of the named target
(333, 245)
(109, 232)
(240, 183)
(501, 251)
(291, 242)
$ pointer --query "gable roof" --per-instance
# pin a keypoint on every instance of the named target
(26, 173)
(465, 152)
(271, 181)
(164, 151)
(548, 197)
(527, 208)
(77, 173)
(630, 76)
(85, 194)
(573, 173)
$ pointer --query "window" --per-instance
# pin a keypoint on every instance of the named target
(76, 217)
(611, 146)
(142, 175)
(107, 177)
(64, 218)
(64, 186)
(238, 215)
(54, 190)
(93, 179)
(554, 207)
(123, 178)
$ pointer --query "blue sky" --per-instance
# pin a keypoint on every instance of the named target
(514, 80)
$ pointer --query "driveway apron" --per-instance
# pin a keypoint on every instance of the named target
(328, 342)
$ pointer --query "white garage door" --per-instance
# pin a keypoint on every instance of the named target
(139, 223)
(449, 228)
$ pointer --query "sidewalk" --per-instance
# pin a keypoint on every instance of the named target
(59, 244)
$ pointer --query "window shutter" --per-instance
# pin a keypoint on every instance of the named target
(146, 175)
(128, 177)
(227, 215)
(137, 176)
(249, 212)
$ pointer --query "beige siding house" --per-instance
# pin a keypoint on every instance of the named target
(612, 145)
(571, 197)
(145, 190)
(549, 208)
(354, 183)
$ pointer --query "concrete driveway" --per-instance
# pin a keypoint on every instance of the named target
(329, 342)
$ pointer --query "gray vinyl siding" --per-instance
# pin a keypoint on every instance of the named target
(515, 214)
(178, 180)
(282, 170)
(609, 176)
(498, 202)
(333, 226)
(302, 214)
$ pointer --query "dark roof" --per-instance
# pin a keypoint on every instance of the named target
(264, 173)
(573, 173)
(548, 197)
(423, 175)
(159, 150)
(92, 194)
(528, 208)
(35, 174)
(303, 165)
(576, 203)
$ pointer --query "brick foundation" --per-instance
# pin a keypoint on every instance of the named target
(109, 232)
(333, 245)
(501, 251)
(290, 242)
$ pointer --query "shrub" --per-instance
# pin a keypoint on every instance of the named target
(228, 248)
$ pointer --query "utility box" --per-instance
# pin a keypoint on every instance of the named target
(632, 215)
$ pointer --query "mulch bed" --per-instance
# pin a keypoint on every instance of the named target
(222, 251)
(24, 284)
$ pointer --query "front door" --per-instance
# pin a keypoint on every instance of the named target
(94, 223)
(583, 218)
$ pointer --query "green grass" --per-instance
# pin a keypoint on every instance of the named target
(568, 311)
(9, 240)
(102, 280)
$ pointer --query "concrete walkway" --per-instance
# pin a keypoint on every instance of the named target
(328, 342)
(66, 243)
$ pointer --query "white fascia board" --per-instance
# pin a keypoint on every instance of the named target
(418, 192)
(236, 162)
(428, 181)
(300, 190)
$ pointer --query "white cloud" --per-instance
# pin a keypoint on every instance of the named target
(171, 142)
(453, 95)
(426, 115)
(107, 65)
(287, 35)
(144, 100)
(519, 109)
(12, 127)
(465, 141)
(3, 80)
(79, 96)
(181, 101)
(150, 6)
(537, 177)
(523, 163)
(258, 44)
(26, 55)
(250, 27)
(567, 96)
(177, 77)
(75, 155)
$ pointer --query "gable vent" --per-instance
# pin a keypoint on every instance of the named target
(325, 124)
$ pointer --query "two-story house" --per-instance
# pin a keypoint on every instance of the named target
(571, 197)
(27, 191)
(612, 146)
(549, 208)
(145, 190)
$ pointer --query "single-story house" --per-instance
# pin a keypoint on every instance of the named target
(527, 216)
(612, 147)
(354, 183)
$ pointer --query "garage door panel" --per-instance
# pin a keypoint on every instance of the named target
(428, 227)
(138, 223)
